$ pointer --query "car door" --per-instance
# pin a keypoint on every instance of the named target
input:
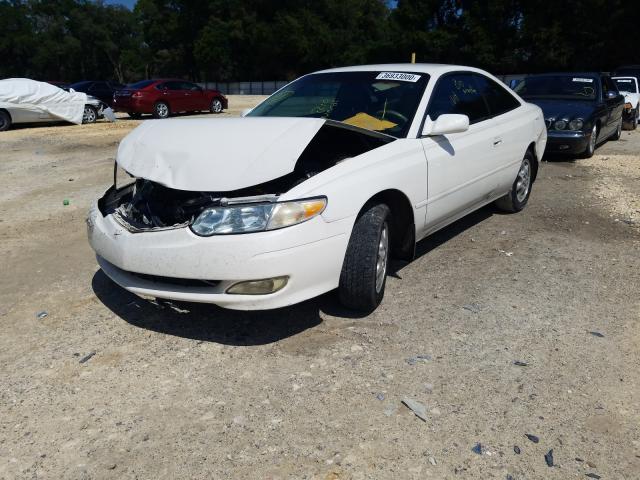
(458, 164)
(175, 96)
(196, 97)
(615, 104)
(608, 125)
(513, 131)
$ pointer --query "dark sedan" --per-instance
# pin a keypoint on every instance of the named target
(581, 110)
(102, 90)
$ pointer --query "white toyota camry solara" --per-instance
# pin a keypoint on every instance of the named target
(314, 189)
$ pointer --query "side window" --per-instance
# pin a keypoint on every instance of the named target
(190, 86)
(173, 85)
(458, 93)
(162, 86)
(499, 99)
(610, 84)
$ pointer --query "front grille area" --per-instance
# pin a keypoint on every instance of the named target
(183, 282)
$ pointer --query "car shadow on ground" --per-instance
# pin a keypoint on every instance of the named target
(206, 322)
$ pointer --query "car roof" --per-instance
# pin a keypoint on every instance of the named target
(429, 68)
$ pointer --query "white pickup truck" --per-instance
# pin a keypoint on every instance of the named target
(628, 86)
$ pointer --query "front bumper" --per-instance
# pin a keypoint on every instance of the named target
(567, 142)
(310, 254)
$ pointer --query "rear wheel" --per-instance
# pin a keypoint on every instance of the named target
(216, 106)
(5, 121)
(634, 122)
(161, 110)
(364, 271)
(518, 196)
(90, 115)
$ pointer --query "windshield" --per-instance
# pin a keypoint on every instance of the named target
(558, 87)
(626, 85)
(141, 84)
(381, 101)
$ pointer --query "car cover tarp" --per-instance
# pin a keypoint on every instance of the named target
(41, 97)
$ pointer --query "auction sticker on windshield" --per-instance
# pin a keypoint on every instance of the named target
(403, 77)
(583, 80)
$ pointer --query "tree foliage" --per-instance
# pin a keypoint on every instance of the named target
(280, 39)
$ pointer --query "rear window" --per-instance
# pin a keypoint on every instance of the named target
(141, 84)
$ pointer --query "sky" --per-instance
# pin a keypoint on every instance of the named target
(127, 3)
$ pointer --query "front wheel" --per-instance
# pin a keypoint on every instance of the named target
(518, 196)
(216, 106)
(5, 121)
(161, 110)
(90, 115)
(364, 271)
(591, 146)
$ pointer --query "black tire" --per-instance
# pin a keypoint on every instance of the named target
(634, 122)
(161, 110)
(216, 106)
(90, 114)
(134, 115)
(361, 288)
(5, 121)
(518, 196)
(591, 146)
(618, 133)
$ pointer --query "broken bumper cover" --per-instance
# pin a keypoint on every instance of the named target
(177, 264)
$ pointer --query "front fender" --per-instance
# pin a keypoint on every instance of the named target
(400, 165)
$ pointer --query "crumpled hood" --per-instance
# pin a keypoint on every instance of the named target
(216, 154)
(564, 108)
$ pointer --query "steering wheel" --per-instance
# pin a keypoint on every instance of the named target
(392, 113)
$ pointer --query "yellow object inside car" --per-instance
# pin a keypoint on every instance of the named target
(364, 120)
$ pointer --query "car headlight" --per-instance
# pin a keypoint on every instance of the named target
(560, 124)
(576, 124)
(246, 218)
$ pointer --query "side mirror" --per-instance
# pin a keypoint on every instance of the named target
(245, 112)
(514, 83)
(445, 124)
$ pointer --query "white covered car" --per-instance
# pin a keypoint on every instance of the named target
(28, 101)
(316, 188)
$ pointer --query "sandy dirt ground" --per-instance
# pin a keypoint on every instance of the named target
(108, 385)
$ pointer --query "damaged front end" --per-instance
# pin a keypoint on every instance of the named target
(148, 205)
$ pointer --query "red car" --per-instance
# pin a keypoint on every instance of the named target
(161, 98)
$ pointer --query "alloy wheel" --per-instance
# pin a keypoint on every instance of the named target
(216, 106)
(383, 257)
(592, 140)
(162, 110)
(523, 181)
(89, 115)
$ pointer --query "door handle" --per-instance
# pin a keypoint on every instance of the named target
(497, 141)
